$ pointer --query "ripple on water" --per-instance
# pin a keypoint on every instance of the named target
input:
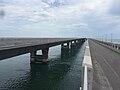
(61, 73)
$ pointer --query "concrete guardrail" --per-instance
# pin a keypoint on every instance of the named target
(87, 70)
(112, 46)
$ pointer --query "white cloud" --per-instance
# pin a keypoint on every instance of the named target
(62, 15)
(79, 25)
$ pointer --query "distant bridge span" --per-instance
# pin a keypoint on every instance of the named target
(10, 47)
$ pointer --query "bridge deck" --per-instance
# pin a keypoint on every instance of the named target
(10, 47)
(6, 43)
(106, 64)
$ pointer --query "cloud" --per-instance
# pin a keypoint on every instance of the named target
(79, 25)
(115, 7)
(44, 16)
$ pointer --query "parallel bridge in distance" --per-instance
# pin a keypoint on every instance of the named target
(10, 47)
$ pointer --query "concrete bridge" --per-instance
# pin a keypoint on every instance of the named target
(101, 66)
(10, 47)
(106, 65)
(101, 61)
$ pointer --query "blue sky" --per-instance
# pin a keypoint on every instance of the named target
(59, 18)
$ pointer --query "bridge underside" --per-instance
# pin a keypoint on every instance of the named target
(65, 47)
(14, 47)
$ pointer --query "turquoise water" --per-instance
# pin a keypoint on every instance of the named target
(62, 72)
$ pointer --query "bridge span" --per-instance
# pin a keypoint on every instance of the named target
(105, 57)
(106, 65)
(10, 47)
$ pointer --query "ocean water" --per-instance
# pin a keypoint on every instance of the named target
(116, 41)
(62, 72)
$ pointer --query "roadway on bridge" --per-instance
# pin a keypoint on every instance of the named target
(6, 43)
(109, 61)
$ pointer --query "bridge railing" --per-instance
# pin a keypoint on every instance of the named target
(87, 70)
(113, 46)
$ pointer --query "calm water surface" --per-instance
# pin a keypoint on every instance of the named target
(62, 72)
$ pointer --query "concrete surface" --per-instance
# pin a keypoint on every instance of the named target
(19, 42)
(10, 47)
(106, 67)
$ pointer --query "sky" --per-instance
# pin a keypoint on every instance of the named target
(60, 18)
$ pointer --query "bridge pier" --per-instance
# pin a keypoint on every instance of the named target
(32, 56)
(65, 45)
(65, 49)
(68, 48)
(39, 58)
(73, 43)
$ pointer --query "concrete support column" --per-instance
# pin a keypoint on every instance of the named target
(67, 46)
(33, 56)
(119, 48)
(39, 58)
(79, 41)
(83, 40)
(45, 54)
(73, 44)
